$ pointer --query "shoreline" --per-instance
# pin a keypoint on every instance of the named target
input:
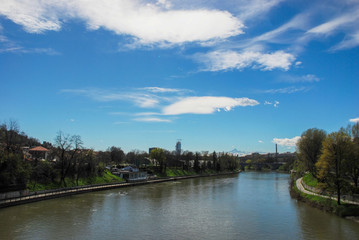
(57, 193)
(297, 190)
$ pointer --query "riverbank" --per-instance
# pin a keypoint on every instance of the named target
(56, 193)
(348, 209)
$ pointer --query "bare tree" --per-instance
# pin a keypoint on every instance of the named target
(67, 148)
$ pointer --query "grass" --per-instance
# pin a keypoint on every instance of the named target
(107, 177)
(326, 204)
(178, 172)
(310, 180)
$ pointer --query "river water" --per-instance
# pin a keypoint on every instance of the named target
(251, 205)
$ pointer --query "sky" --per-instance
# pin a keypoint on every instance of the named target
(218, 75)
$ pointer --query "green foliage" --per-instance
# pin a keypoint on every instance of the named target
(326, 204)
(13, 169)
(310, 180)
(107, 177)
(309, 148)
(332, 165)
(159, 155)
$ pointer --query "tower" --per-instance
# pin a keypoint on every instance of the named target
(178, 147)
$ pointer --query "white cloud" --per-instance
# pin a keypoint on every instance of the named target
(344, 22)
(162, 90)
(173, 105)
(152, 119)
(35, 16)
(309, 78)
(288, 142)
(275, 104)
(140, 99)
(354, 120)
(350, 41)
(229, 60)
(260, 141)
(146, 23)
(250, 9)
(288, 90)
(336, 23)
(206, 105)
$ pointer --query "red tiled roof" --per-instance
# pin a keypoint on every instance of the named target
(39, 149)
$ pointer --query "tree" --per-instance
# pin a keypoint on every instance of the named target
(353, 162)
(214, 159)
(117, 155)
(160, 156)
(67, 149)
(9, 133)
(309, 148)
(333, 161)
(196, 165)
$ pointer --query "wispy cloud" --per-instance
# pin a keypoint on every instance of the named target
(206, 105)
(354, 120)
(223, 60)
(146, 23)
(166, 105)
(287, 90)
(288, 142)
(309, 78)
(140, 99)
(9, 46)
(275, 103)
(336, 23)
(152, 119)
(163, 90)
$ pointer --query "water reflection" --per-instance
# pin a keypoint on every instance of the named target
(248, 206)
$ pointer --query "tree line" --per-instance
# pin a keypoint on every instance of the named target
(69, 160)
(332, 158)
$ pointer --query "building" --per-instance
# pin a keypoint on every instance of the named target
(130, 174)
(39, 152)
(178, 147)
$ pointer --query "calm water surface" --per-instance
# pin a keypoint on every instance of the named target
(251, 205)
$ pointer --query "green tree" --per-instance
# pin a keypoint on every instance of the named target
(309, 148)
(353, 163)
(332, 164)
(117, 155)
(160, 156)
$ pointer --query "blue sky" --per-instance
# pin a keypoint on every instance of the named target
(135, 74)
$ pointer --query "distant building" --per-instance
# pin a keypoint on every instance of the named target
(130, 174)
(38, 152)
(178, 147)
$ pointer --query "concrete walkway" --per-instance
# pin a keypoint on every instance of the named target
(302, 189)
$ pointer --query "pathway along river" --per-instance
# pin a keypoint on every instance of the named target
(251, 205)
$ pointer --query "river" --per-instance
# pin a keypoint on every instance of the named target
(251, 205)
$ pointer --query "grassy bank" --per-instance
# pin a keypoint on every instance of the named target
(107, 177)
(326, 204)
(310, 180)
(179, 172)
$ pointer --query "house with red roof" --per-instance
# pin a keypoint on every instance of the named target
(39, 152)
